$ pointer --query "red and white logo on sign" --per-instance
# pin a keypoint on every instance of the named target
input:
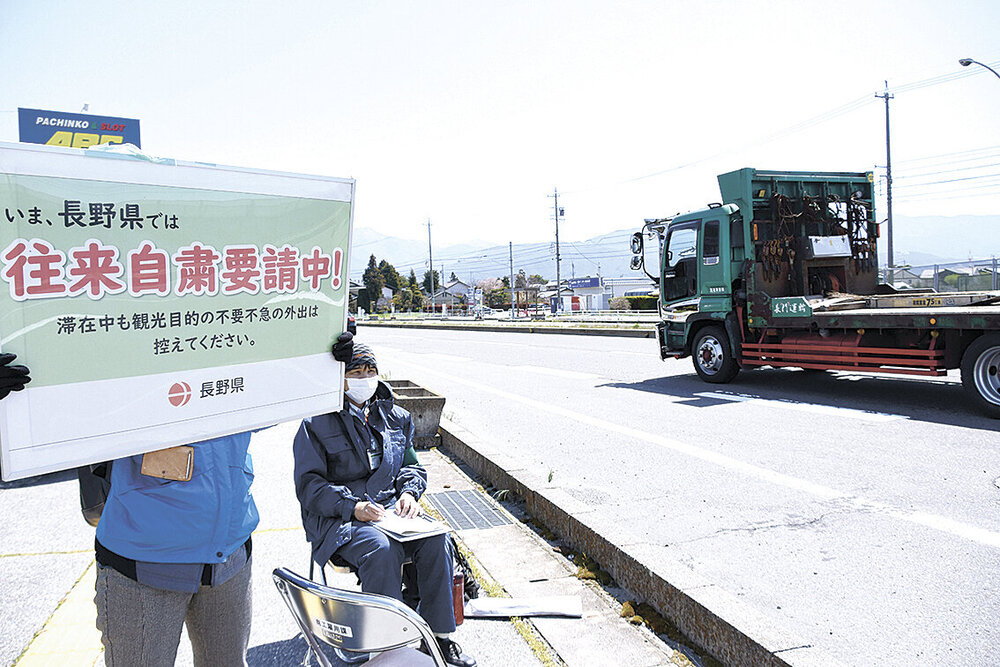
(179, 394)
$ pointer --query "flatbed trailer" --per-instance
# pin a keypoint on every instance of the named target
(784, 275)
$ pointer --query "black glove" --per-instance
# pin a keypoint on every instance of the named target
(13, 378)
(343, 349)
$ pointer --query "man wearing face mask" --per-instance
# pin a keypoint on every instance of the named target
(353, 466)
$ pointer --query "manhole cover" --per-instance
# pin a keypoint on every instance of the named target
(465, 510)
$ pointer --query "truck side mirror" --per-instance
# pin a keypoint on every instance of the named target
(637, 243)
(636, 263)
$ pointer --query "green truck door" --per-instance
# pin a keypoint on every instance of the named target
(713, 266)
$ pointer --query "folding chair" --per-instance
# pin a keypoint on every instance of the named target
(352, 622)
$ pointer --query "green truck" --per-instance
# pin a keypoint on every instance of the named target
(784, 273)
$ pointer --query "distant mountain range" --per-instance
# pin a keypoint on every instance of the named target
(917, 241)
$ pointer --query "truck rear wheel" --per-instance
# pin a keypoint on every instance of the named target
(981, 373)
(712, 356)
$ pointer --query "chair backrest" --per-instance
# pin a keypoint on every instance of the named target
(358, 622)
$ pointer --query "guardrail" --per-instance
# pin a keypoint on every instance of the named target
(595, 316)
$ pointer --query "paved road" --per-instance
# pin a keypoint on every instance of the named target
(858, 512)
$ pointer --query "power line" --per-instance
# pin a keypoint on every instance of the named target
(950, 171)
(950, 180)
(826, 116)
(956, 153)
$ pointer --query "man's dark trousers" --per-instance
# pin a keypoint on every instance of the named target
(379, 560)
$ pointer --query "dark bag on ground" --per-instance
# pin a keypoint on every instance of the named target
(95, 483)
(471, 585)
(411, 593)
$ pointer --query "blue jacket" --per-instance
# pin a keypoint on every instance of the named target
(332, 472)
(203, 520)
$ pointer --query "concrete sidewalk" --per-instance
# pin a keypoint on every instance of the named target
(510, 560)
(702, 612)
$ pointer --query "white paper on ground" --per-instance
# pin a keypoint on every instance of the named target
(554, 605)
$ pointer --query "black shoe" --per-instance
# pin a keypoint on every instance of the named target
(453, 654)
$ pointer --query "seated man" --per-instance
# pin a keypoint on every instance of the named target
(353, 466)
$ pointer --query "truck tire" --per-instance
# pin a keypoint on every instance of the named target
(712, 355)
(981, 373)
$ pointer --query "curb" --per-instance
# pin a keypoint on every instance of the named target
(717, 621)
(527, 328)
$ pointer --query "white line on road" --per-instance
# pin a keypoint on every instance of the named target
(831, 410)
(933, 521)
(557, 372)
(541, 370)
(427, 355)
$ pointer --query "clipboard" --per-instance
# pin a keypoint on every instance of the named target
(407, 530)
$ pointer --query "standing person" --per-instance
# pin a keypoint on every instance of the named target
(353, 466)
(174, 548)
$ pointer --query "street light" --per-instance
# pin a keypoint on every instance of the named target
(965, 62)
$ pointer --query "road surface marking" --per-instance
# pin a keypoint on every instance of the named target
(557, 372)
(69, 637)
(423, 355)
(542, 370)
(933, 521)
(817, 408)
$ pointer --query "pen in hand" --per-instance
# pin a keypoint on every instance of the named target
(368, 510)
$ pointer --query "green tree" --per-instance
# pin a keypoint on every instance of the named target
(497, 298)
(374, 282)
(413, 279)
(390, 275)
(417, 298)
(535, 279)
(403, 299)
(431, 288)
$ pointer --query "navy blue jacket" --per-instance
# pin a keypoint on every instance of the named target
(332, 472)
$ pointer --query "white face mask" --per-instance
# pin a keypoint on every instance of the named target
(360, 390)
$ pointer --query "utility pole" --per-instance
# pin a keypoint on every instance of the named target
(510, 247)
(559, 304)
(888, 187)
(430, 256)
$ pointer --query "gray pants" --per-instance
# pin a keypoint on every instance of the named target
(141, 625)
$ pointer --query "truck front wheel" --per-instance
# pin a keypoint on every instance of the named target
(712, 356)
(981, 373)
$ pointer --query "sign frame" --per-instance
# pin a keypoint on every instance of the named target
(293, 387)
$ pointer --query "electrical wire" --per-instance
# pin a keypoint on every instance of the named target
(954, 154)
(950, 180)
(826, 116)
(911, 174)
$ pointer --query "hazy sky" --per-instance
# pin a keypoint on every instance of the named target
(470, 113)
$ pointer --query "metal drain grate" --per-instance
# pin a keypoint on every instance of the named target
(464, 510)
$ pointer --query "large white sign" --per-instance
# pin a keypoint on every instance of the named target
(158, 303)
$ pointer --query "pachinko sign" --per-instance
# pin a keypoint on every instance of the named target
(159, 303)
(75, 130)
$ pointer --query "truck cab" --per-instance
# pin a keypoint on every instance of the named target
(702, 256)
(700, 260)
